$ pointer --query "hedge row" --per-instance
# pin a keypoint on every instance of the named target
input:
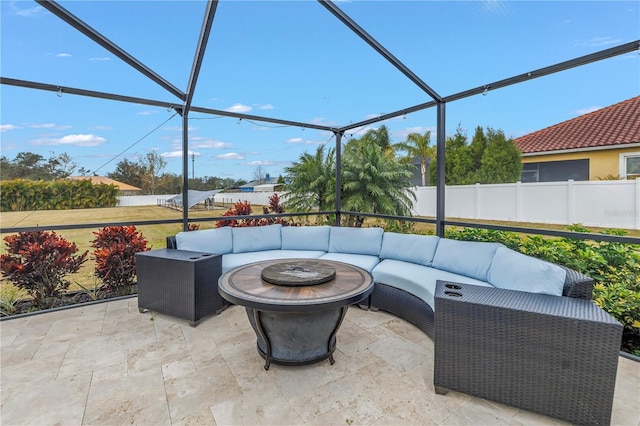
(23, 195)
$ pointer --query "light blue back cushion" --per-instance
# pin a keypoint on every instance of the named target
(355, 240)
(305, 238)
(412, 248)
(257, 238)
(208, 240)
(469, 258)
(516, 271)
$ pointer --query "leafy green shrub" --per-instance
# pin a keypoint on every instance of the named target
(38, 263)
(115, 254)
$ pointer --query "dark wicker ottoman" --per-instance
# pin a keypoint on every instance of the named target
(180, 283)
(552, 355)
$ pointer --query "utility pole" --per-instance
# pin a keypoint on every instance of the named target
(193, 165)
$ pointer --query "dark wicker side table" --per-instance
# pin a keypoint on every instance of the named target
(180, 283)
(556, 356)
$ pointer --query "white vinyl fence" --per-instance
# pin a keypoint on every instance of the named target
(607, 204)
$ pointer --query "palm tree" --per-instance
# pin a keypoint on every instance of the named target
(311, 181)
(418, 146)
(373, 182)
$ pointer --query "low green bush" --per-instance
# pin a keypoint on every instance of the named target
(615, 267)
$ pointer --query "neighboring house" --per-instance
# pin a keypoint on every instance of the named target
(124, 188)
(598, 145)
(262, 185)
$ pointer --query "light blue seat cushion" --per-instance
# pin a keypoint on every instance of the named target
(257, 238)
(233, 260)
(305, 237)
(217, 240)
(516, 271)
(409, 247)
(355, 240)
(470, 258)
(363, 261)
(418, 280)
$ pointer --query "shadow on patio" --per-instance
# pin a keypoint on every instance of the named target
(109, 364)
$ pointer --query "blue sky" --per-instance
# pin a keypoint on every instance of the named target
(294, 60)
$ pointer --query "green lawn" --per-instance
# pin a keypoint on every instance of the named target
(155, 234)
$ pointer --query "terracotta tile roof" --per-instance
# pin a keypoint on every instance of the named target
(618, 124)
(108, 181)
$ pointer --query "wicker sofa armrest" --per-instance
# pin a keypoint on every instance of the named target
(171, 242)
(577, 284)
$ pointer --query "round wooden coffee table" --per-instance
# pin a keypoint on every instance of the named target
(295, 323)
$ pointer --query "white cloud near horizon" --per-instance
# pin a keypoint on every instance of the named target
(28, 12)
(63, 55)
(147, 112)
(239, 108)
(266, 106)
(100, 59)
(303, 141)
(587, 110)
(51, 126)
(598, 41)
(178, 154)
(78, 140)
(230, 156)
(209, 143)
(403, 133)
(8, 127)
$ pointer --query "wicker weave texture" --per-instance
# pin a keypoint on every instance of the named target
(404, 305)
(556, 356)
(180, 283)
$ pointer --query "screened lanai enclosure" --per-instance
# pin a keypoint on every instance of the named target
(206, 77)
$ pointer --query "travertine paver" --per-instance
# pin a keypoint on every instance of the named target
(109, 364)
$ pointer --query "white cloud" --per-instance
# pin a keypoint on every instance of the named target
(147, 112)
(266, 106)
(587, 110)
(52, 126)
(178, 154)
(7, 127)
(239, 108)
(100, 59)
(210, 143)
(598, 42)
(403, 133)
(496, 8)
(230, 156)
(260, 163)
(28, 12)
(103, 127)
(63, 55)
(303, 141)
(78, 140)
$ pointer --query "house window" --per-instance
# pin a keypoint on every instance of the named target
(555, 171)
(630, 165)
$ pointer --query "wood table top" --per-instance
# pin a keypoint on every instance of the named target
(244, 286)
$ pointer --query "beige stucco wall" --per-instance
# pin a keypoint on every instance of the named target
(601, 163)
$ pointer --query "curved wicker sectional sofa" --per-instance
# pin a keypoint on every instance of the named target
(405, 267)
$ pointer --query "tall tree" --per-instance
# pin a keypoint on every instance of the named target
(128, 172)
(152, 164)
(458, 163)
(31, 166)
(501, 160)
(373, 182)
(380, 137)
(311, 181)
(418, 146)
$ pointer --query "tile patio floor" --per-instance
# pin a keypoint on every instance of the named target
(108, 364)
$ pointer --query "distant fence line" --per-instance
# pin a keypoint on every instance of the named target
(607, 204)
